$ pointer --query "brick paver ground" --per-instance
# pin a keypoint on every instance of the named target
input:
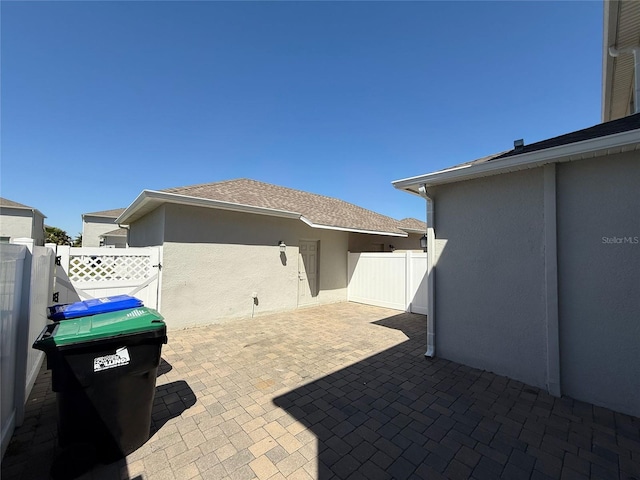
(340, 391)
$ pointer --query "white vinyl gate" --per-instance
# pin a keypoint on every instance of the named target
(93, 272)
(392, 280)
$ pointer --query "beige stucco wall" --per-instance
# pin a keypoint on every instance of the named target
(22, 223)
(599, 280)
(214, 260)
(93, 227)
(490, 303)
(362, 242)
(117, 242)
(149, 230)
(490, 277)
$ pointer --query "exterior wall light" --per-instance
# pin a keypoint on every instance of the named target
(282, 245)
(423, 241)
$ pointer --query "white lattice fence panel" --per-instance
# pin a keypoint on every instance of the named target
(93, 268)
(91, 272)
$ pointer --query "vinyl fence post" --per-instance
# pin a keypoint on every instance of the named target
(22, 333)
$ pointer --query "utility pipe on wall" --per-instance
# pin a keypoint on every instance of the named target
(431, 270)
(614, 52)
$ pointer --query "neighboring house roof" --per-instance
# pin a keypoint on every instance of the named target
(621, 30)
(118, 232)
(114, 213)
(606, 138)
(251, 196)
(4, 202)
(413, 225)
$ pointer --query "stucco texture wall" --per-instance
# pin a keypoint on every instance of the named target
(214, 260)
(362, 242)
(20, 223)
(599, 280)
(93, 227)
(490, 304)
(149, 230)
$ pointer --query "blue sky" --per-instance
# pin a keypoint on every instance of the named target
(101, 100)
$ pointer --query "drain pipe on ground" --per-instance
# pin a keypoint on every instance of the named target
(431, 271)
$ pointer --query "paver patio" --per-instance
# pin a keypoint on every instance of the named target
(340, 391)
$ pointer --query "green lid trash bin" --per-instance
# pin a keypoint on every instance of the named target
(103, 370)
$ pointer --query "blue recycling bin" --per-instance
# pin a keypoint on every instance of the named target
(93, 306)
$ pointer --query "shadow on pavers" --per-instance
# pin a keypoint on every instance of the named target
(74, 460)
(164, 367)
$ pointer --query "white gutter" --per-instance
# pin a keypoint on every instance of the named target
(614, 52)
(562, 153)
(431, 270)
(354, 230)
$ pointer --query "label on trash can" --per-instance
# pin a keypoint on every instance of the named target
(119, 359)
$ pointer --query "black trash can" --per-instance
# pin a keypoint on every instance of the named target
(103, 370)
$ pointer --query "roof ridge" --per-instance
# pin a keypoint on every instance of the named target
(281, 187)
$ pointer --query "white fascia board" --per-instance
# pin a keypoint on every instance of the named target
(98, 216)
(344, 229)
(563, 153)
(149, 197)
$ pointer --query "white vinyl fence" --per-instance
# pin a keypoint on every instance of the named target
(392, 280)
(94, 272)
(26, 281)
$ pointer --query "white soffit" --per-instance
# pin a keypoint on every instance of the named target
(621, 30)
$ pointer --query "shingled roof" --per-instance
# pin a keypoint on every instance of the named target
(611, 137)
(114, 213)
(413, 225)
(4, 202)
(118, 232)
(318, 210)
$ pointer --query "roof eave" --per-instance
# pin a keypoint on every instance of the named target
(31, 209)
(353, 230)
(149, 200)
(609, 144)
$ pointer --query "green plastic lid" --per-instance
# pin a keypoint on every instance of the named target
(103, 326)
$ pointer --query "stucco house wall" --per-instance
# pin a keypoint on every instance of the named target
(490, 274)
(490, 299)
(214, 260)
(114, 241)
(599, 280)
(93, 227)
(148, 231)
(22, 223)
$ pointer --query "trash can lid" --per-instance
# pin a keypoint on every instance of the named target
(93, 306)
(102, 327)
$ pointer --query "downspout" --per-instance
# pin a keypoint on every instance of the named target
(431, 237)
(614, 52)
(126, 227)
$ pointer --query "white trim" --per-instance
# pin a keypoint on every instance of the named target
(574, 151)
(551, 282)
(354, 230)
